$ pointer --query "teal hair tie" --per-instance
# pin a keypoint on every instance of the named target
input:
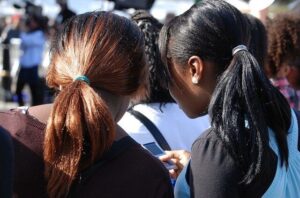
(83, 78)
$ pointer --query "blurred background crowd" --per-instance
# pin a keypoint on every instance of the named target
(26, 27)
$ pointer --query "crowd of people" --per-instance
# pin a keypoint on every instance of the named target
(214, 91)
(34, 30)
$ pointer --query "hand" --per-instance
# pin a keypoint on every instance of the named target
(180, 157)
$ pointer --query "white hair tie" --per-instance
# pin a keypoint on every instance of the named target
(239, 48)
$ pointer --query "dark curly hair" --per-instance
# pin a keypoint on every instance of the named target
(151, 28)
(284, 42)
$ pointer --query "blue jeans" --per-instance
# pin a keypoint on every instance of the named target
(6, 164)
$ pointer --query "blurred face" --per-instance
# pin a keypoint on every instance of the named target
(190, 97)
(32, 24)
(294, 77)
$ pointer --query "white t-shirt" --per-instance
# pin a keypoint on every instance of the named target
(179, 131)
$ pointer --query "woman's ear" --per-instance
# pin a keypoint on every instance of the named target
(196, 67)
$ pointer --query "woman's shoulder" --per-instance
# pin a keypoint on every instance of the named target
(209, 144)
(19, 116)
(133, 172)
(213, 167)
(12, 120)
(38, 33)
(209, 135)
(25, 129)
(27, 137)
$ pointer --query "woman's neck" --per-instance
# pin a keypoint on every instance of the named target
(42, 113)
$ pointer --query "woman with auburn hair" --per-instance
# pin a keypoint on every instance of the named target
(252, 147)
(97, 64)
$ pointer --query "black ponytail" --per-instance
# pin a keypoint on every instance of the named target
(240, 113)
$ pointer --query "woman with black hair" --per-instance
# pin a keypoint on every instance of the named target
(251, 148)
(158, 106)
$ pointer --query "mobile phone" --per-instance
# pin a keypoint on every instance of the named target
(157, 151)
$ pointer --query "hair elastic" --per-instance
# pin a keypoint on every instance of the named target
(83, 78)
(239, 48)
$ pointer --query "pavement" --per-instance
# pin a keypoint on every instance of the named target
(6, 105)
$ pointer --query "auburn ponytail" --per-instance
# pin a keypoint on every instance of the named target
(79, 130)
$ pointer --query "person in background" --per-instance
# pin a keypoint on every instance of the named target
(32, 45)
(135, 4)
(158, 106)
(294, 6)
(6, 165)
(2, 24)
(283, 64)
(169, 17)
(251, 149)
(74, 147)
(11, 31)
(64, 14)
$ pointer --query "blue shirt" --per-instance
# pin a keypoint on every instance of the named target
(182, 188)
(32, 46)
(286, 182)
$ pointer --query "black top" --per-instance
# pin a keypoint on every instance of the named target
(6, 165)
(214, 173)
(128, 170)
